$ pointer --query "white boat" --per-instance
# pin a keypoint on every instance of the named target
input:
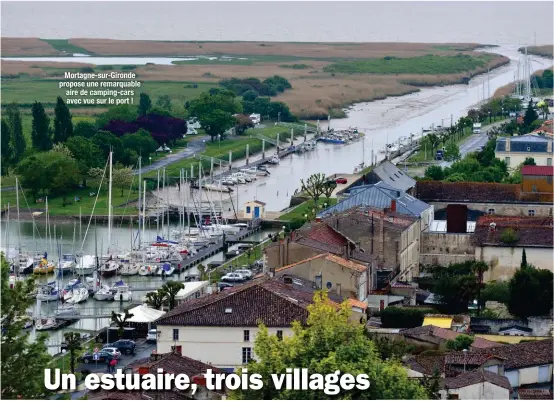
(67, 310)
(104, 294)
(129, 269)
(238, 179)
(166, 270)
(66, 266)
(48, 292)
(86, 265)
(78, 294)
(273, 159)
(46, 324)
(148, 270)
(219, 187)
(25, 264)
(246, 176)
(122, 293)
(109, 268)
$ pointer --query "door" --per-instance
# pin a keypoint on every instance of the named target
(256, 212)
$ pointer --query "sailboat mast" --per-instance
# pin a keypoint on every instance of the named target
(167, 201)
(80, 225)
(18, 222)
(143, 210)
(110, 204)
(157, 214)
(139, 197)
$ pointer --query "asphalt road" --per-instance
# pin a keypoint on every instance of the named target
(473, 143)
(196, 145)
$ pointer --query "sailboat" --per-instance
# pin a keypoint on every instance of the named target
(42, 265)
(48, 292)
(104, 293)
(85, 266)
(130, 268)
(109, 268)
(78, 294)
(66, 265)
(122, 292)
(166, 270)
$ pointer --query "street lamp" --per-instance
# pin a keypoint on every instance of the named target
(150, 158)
(219, 140)
(64, 351)
(279, 117)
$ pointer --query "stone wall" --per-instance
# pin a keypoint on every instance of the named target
(446, 248)
(541, 326)
(502, 209)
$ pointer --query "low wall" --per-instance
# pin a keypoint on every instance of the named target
(445, 248)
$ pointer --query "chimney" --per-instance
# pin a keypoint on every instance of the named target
(287, 280)
(508, 144)
(393, 205)
(549, 146)
(381, 237)
(492, 227)
(143, 370)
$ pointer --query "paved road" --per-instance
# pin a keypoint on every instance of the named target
(142, 351)
(474, 142)
(196, 145)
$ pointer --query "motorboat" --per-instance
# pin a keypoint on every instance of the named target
(67, 311)
(218, 187)
(103, 294)
(109, 268)
(129, 269)
(48, 292)
(86, 265)
(148, 270)
(227, 181)
(240, 179)
(78, 294)
(66, 266)
(43, 324)
(166, 270)
(247, 177)
(122, 293)
(273, 159)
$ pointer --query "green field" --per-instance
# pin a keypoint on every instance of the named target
(26, 91)
(247, 60)
(305, 208)
(423, 65)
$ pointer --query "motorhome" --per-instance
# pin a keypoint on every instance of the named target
(477, 128)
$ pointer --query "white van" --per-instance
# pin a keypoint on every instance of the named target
(256, 118)
(477, 128)
(152, 336)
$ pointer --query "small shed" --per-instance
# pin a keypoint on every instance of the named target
(515, 330)
(254, 209)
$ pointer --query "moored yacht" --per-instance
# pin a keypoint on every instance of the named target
(66, 266)
(86, 265)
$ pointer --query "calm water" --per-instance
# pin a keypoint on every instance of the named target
(481, 22)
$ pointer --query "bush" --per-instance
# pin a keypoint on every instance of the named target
(394, 317)
(509, 236)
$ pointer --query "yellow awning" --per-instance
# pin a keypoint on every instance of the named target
(443, 322)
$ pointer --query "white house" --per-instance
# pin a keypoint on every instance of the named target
(192, 290)
(515, 331)
(254, 210)
(476, 385)
(514, 150)
(220, 329)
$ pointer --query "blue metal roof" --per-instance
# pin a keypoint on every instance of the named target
(523, 143)
(378, 195)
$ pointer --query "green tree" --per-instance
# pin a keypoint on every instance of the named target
(34, 174)
(16, 130)
(23, 361)
(249, 96)
(215, 111)
(314, 186)
(523, 259)
(120, 320)
(122, 112)
(434, 141)
(141, 142)
(452, 152)
(327, 343)
(155, 299)
(87, 154)
(434, 173)
(395, 317)
(531, 292)
(74, 346)
(107, 142)
(63, 124)
(460, 343)
(64, 174)
(41, 134)
(122, 177)
(389, 349)
(85, 129)
(242, 123)
(509, 236)
(202, 270)
(164, 102)
(530, 115)
(529, 161)
(145, 104)
(216, 123)
(432, 385)
(498, 291)
(170, 290)
(6, 143)
(328, 188)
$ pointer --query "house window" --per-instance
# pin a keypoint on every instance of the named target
(533, 188)
(549, 180)
(549, 161)
(491, 211)
(175, 334)
(246, 355)
(531, 212)
(507, 160)
(246, 336)
(248, 210)
(280, 334)
(453, 397)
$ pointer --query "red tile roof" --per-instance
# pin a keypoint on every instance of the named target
(174, 363)
(467, 191)
(475, 377)
(522, 355)
(322, 232)
(264, 300)
(531, 231)
(538, 170)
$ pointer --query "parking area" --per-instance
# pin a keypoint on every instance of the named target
(143, 350)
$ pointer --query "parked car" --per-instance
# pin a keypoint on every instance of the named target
(103, 356)
(247, 274)
(259, 263)
(341, 180)
(124, 346)
(233, 277)
(113, 351)
(152, 336)
(224, 286)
